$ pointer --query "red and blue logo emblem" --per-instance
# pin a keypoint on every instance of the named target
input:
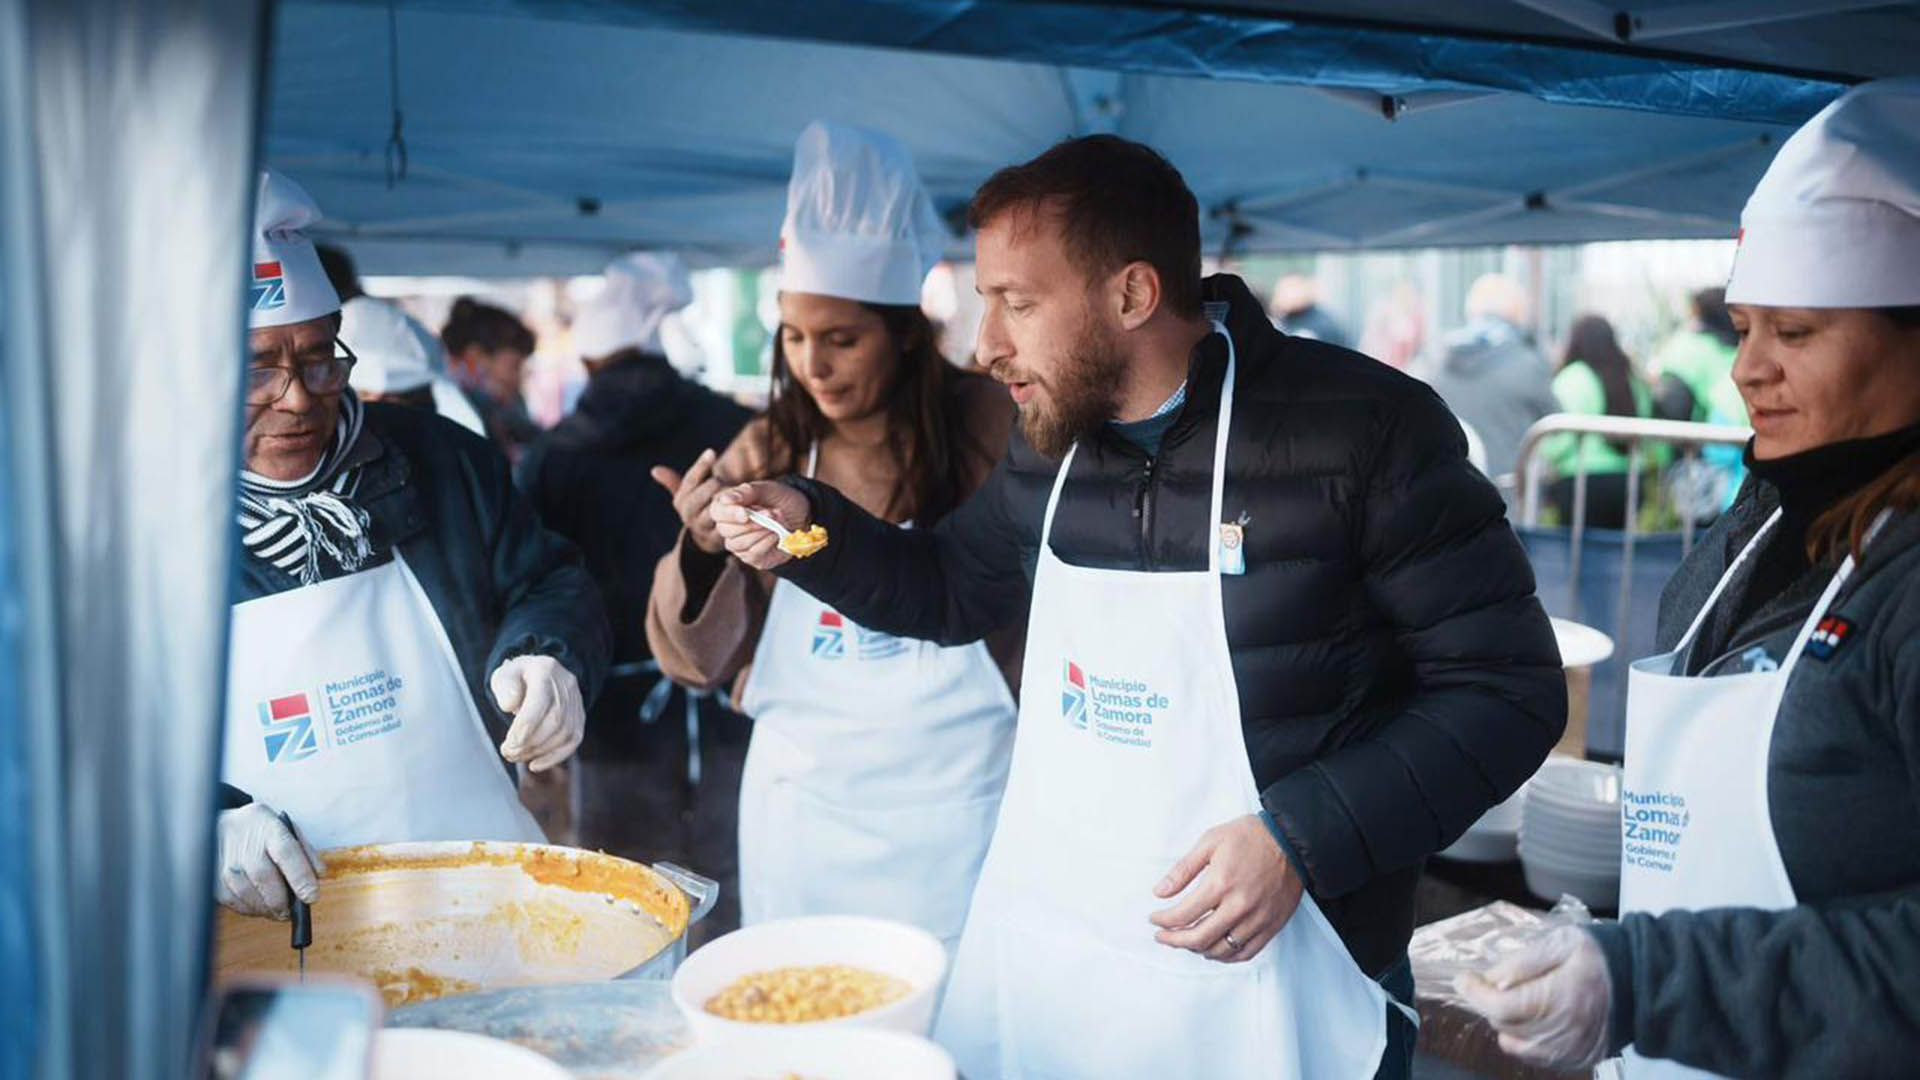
(1073, 695)
(269, 286)
(286, 724)
(830, 636)
(833, 634)
(1827, 638)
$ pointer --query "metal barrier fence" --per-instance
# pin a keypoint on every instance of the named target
(1612, 578)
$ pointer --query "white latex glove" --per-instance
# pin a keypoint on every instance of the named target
(1551, 1002)
(549, 718)
(259, 859)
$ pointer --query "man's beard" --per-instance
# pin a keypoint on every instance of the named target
(1084, 394)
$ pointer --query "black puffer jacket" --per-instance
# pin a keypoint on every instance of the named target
(502, 585)
(588, 477)
(1396, 675)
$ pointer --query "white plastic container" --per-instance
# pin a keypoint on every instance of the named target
(843, 1053)
(877, 945)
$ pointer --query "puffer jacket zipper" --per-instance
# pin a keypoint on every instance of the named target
(1143, 509)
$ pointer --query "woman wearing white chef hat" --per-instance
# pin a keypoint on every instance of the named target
(875, 771)
(1771, 878)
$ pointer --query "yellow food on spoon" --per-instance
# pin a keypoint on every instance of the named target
(799, 995)
(802, 543)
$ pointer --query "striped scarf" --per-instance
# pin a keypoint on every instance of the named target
(294, 525)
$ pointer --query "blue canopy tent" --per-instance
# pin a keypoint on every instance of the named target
(501, 137)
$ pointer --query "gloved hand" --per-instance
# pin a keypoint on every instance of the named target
(1551, 1002)
(549, 718)
(260, 858)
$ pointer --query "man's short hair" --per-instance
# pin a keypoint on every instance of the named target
(1117, 202)
(338, 266)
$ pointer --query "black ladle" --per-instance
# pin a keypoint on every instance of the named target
(302, 913)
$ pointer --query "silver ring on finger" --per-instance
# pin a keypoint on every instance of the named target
(1234, 943)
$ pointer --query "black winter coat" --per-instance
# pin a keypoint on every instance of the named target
(502, 585)
(1396, 675)
(588, 478)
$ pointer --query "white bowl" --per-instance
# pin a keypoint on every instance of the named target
(432, 1054)
(1576, 783)
(1580, 645)
(877, 945)
(840, 1052)
(1548, 882)
(1598, 862)
(1575, 835)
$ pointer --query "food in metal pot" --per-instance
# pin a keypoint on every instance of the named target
(802, 995)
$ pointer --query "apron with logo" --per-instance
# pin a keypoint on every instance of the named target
(346, 709)
(873, 778)
(1697, 828)
(1130, 747)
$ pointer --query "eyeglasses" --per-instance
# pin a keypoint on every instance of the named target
(266, 385)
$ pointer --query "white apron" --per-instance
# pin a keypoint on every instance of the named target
(347, 710)
(873, 778)
(1697, 830)
(1130, 747)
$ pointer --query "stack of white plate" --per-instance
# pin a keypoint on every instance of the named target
(1495, 837)
(1570, 832)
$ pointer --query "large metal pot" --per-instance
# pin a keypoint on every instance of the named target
(428, 920)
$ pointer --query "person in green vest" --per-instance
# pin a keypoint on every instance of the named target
(1596, 378)
(1694, 367)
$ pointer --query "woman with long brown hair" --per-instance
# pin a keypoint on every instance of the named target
(1596, 378)
(875, 770)
(1770, 882)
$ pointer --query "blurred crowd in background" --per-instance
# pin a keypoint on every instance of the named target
(1505, 335)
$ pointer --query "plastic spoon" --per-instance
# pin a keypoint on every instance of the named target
(769, 524)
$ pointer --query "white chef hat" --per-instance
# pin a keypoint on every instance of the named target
(288, 285)
(396, 353)
(642, 288)
(1835, 222)
(859, 226)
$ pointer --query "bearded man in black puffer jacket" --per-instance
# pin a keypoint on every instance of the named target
(1395, 674)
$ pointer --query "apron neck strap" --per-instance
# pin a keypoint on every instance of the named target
(1826, 598)
(1720, 587)
(1053, 499)
(1217, 505)
(1218, 499)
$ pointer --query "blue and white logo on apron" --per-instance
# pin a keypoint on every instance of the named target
(286, 725)
(1073, 695)
(830, 636)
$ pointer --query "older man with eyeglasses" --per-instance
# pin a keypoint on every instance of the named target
(399, 610)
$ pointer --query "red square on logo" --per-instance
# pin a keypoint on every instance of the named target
(285, 707)
(266, 270)
(830, 618)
